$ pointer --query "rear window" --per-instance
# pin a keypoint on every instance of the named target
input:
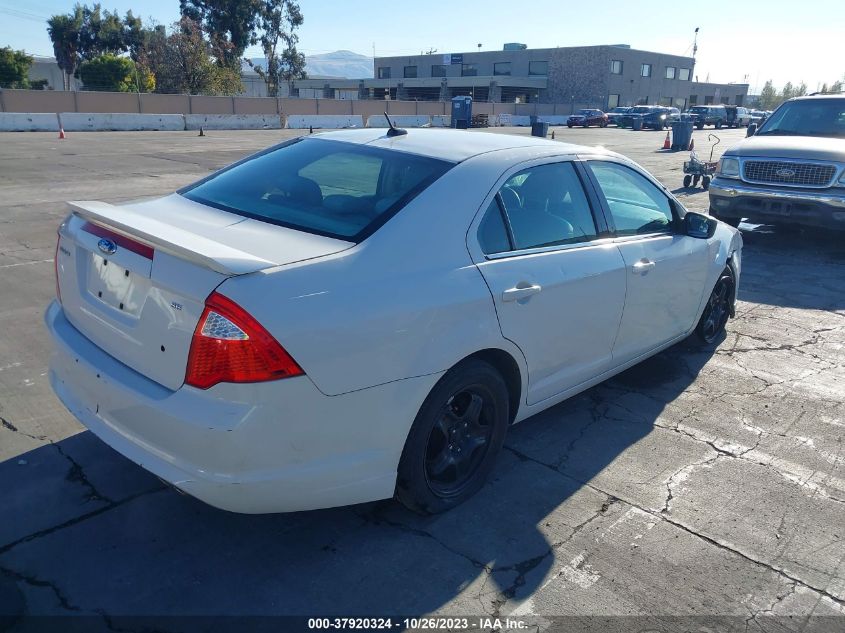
(331, 188)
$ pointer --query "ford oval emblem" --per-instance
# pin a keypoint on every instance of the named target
(107, 246)
(785, 173)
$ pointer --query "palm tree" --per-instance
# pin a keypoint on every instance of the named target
(64, 33)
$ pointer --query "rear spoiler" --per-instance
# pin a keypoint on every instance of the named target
(171, 239)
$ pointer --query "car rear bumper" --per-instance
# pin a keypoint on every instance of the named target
(734, 199)
(267, 447)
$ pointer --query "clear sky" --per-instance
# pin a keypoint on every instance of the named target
(782, 40)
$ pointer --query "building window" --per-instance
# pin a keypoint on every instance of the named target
(680, 103)
(612, 101)
(438, 70)
(642, 101)
(616, 67)
(670, 72)
(708, 100)
(645, 70)
(739, 99)
(469, 70)
(726, 100)
(502, 68)
(538, 68)
(665, 101)
(410, 72)
(693, 100)
(384, 72)
(683, 74)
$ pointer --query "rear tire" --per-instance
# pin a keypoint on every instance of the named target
(718, 308)
(454, 440)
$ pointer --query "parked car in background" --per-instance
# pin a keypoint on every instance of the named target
(789, 171)
(759, 116)
(708, 115)
(661, 118)
(737, 116)
(613, 115)
(363, 314)
(627, 119)
(587, 117)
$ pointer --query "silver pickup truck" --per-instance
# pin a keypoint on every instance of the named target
(789, 171)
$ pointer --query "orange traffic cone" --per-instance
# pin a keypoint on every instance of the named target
(61, 133)
(691, 144)
(666, 143)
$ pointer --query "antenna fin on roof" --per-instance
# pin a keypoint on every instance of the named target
(394, 131)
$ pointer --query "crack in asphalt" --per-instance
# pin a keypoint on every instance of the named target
(64, 602)
(712, 541)
(79, 519)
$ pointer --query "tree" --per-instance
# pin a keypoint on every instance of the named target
(787, 93)
(278, 22)
(14, 68)
(182, 62)
(836, 87)
(230, 25)
(111, 73)
(101, 33)
(800, 91)
(769, 97)
(64, 32)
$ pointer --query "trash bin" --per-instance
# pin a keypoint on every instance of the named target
(681, 135)
(539, 128)
(636, 123)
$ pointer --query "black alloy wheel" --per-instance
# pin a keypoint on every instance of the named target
(454, 441)
(718, 308)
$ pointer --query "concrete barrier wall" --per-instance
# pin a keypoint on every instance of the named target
(28, 122)
(164, 104)
(554, 119)
(441, 120)
(37, 101)
(402, 120)
(256, 105)
(107, 102)
(233, 121)
(79, 122)
(323, 122)
(201, 104)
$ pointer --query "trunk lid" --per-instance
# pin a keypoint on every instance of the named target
(134, 278)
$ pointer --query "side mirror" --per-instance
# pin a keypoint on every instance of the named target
(699, 226)
(752, 130)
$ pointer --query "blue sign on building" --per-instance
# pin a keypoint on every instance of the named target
(457, 58)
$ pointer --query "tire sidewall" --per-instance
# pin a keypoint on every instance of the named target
(412, 487)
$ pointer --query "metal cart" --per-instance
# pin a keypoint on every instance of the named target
(696, 169)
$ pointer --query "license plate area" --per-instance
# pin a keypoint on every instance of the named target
(116, 286)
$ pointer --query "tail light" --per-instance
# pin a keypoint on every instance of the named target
(229, 345)
(56, 267)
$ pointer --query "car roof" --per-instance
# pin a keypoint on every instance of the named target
(448, 144)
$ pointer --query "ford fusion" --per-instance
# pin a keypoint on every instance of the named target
(358, 315)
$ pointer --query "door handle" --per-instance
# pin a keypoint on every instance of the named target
(520, 292)
(643, 266)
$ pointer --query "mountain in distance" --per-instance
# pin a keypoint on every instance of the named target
(339, 64)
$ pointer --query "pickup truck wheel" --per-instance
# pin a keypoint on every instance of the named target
(700, 125)
(718, 308)
(569, 125)
(454, 440)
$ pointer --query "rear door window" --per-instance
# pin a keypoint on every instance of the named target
(331, 188)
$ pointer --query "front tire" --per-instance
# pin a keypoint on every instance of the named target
(454, 440)
(718, 309)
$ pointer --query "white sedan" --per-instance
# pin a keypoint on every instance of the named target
(355, 315)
